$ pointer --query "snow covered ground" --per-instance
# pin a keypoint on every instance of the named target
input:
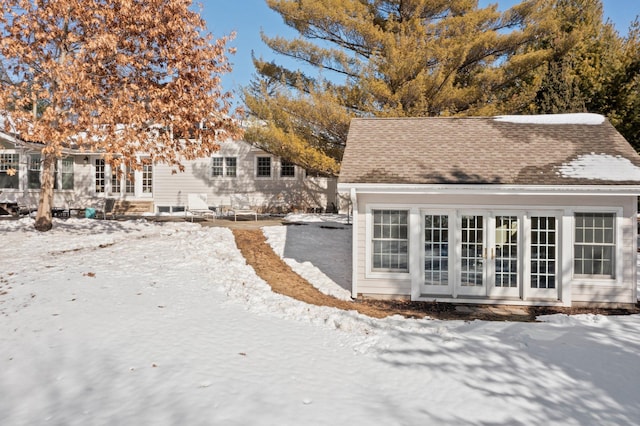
(138, 323)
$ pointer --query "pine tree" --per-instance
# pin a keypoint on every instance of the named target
(117, 77)
(620, 93)
(594, 68)
(391, 58)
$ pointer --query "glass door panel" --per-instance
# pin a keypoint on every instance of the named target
(436, 254)
(504, 256)
(472, 254)
(543, 275)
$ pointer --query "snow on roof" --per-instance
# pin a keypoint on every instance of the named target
(600, 166)
(577, 118)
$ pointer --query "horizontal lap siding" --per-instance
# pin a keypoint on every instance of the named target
(272, 192)
(586, 293)
(382, 286)
(602, 292)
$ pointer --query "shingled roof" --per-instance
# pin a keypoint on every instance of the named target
(576, 149)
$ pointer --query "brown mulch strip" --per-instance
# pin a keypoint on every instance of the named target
(271, 268)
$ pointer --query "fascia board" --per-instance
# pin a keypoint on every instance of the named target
(367, 188)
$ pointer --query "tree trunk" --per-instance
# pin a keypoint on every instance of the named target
(43, 217)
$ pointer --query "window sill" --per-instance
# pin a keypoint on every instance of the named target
(595, 282)
(399, 275)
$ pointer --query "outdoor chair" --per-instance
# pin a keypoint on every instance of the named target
(240, 206)
(197, 206)
(109, 208)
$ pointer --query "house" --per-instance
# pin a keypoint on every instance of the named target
(525, 210)
(239, 169)
(270, 184)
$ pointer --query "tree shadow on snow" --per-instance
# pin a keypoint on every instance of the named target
(535, 373)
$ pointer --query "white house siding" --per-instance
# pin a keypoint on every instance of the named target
(269, 194)
(572, 291)
(274, 193)
(82, 194)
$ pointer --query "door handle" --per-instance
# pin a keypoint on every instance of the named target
(492, 254)
(484, 256)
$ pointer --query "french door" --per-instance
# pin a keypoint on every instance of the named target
(493, 254)
(490, 258)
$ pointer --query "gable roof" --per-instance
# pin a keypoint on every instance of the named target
(569, 149)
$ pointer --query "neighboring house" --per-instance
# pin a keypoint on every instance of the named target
(530, 210)
(238, 169)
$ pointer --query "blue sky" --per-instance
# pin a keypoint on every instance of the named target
(248, 17)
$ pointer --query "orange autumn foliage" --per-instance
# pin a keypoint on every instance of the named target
(117, 77)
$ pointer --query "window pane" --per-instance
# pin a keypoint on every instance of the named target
(390, 240)
(100, 175)
(115, 182)
(147, 178)
(217, 168)
(67, 173)
(129, 181)
(287, 169)
(594, 247)
(263, 167)
(231, 165)
(543, 251)
(436, 262)
(33, 174)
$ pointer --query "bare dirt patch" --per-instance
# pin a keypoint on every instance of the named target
(283, 280)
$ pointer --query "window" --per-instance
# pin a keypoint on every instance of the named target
(594, 245)
(224, 166)
(287, 169)
(231, 165)
(9, 171)
(147, 178)
(124, 179)
(115, 182)
(263, 167)
(390, 242)
(129, 181)
(66, 173)
(217, 166)
(33, 171)
(100, 175)
(63, 172)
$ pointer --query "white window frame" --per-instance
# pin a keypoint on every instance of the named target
(58, 172)
(293, 166)
(561, 286)
(256, 161)
(225, 167)
(145, 181)
(106, 176)
(18, 169)
(61, 172)
(440, 290)
(370, 271)
(125, 182)
(600, 281)
(33, 170)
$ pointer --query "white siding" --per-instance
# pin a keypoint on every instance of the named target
(593, 292)
(81, 196)
(273, 193)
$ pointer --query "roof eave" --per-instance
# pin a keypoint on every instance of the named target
(489, 189)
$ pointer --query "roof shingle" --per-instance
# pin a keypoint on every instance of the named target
(476, 150)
